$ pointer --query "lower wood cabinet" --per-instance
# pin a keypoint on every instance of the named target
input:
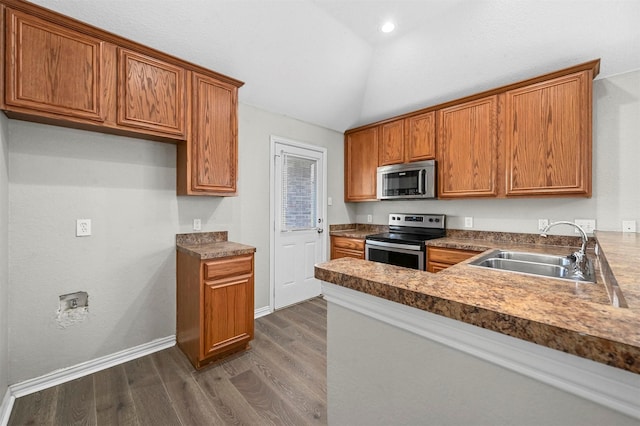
(439, 258)
(215, 307)
(347, 247)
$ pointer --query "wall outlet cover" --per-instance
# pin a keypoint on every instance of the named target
(628, 226)
(589, 225)
(468, 222)
(369, 218)
(542, 223)
(197, 224)
(83, 227)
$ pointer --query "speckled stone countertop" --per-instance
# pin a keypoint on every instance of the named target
(210, 245)
(357, 230)
(577, 318)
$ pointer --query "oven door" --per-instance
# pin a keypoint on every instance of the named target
(406, 255)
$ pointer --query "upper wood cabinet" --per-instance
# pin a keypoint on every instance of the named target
(51, 70)
(420, 137)
(407, 140)
(61, 71)
(151, 94)
(528, 139)
(468, 149)
(391, 146)
(548, 137)
(360, 162)
(211, 153)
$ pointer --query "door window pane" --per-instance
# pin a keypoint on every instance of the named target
(299, 193)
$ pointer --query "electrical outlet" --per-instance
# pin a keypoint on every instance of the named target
(197, 224)
(83, 227)
(468, 222)
(589, 225)
(628, 226)
(369, 218)
(329, 201)
(542, 223)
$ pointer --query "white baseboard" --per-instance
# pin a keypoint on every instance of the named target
(83, 369)
(5, 408)
(261, 312)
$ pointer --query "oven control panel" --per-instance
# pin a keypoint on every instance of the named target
(436, 221)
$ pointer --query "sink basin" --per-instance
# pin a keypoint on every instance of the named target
(547, 259)
(544, 269)
(535, 264)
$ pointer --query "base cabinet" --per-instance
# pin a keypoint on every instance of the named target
(215, 307)
(439, 258)
(347, 247)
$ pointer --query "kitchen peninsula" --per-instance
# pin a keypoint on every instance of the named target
(504, 343)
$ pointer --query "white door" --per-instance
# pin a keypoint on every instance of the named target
(298, 213)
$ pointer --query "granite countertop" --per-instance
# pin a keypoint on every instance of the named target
(577, 318)
(359, 230)
(210, 245)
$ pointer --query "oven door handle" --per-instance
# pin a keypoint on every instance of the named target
(393, 245)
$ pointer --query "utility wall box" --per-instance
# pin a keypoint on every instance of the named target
(75, 300)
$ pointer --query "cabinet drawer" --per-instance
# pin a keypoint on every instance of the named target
(449, 256)
(228, 267)
(348, 243)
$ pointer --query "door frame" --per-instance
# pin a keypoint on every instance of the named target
(272, 193)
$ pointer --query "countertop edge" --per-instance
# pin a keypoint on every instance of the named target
(599, 349)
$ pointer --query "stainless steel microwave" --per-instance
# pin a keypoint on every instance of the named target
(407, 181)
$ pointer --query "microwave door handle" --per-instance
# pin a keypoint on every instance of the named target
(421, 174)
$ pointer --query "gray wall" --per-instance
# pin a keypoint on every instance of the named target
(4, 247)
(378, 374)
(127, 187)
(616, 152)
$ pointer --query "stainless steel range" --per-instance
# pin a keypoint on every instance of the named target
(404, 244)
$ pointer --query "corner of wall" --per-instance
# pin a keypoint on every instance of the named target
(4, 252)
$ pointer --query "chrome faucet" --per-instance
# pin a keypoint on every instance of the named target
(580, 255)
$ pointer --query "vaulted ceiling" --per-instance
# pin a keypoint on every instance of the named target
(325, 62)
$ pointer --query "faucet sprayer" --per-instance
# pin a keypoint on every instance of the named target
(580, 255)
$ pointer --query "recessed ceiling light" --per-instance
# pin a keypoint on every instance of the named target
(387, 27)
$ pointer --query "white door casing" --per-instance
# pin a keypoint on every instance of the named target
(297, 220)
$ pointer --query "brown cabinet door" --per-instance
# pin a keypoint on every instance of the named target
(420, 137)
(51, 69)
(347, 247)
(361, 162)
(391, 143)
(548, 137)
(468, 149)
(214, 141)
(226, 318)
(227, 307)
(151, 94)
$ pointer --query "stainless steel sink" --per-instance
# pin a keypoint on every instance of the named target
(535, 264)
(534, 257)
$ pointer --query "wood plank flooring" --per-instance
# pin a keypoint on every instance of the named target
(282, 380)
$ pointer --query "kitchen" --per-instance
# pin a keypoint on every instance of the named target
(129, 192)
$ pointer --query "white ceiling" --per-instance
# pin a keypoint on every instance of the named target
(325, 62)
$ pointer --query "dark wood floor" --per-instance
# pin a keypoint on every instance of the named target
(280, 381)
